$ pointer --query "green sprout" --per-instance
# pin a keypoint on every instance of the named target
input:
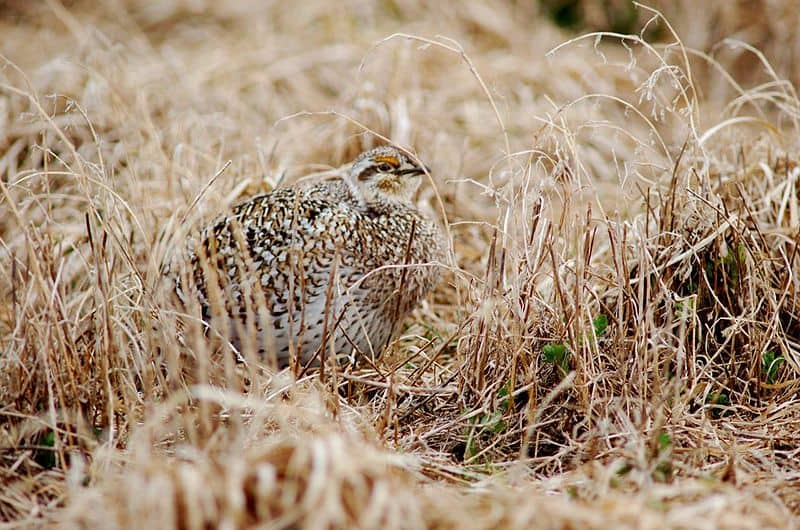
(557, 354)
(770, 366)
(600, 324)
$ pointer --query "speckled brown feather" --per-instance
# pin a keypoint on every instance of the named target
(314, 252)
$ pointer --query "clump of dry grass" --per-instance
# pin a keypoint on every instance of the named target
(616, 342)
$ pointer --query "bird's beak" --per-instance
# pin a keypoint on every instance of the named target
(415, 171)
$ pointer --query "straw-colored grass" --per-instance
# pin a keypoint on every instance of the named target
(616, 343)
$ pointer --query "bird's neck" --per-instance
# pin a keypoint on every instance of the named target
(383, 205)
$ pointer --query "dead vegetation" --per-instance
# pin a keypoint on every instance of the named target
(616, 344)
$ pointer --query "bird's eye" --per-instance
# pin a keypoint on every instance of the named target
(384, 167)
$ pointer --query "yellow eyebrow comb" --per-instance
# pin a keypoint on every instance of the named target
(391, 160)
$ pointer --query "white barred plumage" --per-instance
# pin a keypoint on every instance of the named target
(339, 263)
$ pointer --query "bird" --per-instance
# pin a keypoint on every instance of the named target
(306, 271)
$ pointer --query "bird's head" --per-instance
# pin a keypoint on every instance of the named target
(385, 173)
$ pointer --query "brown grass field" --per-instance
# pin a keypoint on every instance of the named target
(616, 343)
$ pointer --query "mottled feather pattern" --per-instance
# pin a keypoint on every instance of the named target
(316, 251)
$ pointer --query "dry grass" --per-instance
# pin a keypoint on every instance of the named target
(617, 344)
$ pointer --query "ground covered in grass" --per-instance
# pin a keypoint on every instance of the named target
(616, 343)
